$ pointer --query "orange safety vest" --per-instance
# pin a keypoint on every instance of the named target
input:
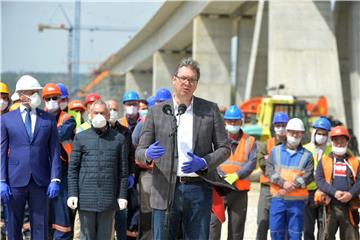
(237, 160)
(67, 145)
(290, 173)
(124, 122)
(271, 142)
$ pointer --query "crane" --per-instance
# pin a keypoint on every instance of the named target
(73, 53)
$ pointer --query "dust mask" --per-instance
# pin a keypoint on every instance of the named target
(320, 139)
(3, 104)
(340, 151)
(232, 129)
(131, 110)
(63, 105)
(98, 121)
(35, 100)
(293, 141)
(52, 106)
(280, 131)
(114, 116)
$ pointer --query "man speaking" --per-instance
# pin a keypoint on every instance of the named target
(201, 146)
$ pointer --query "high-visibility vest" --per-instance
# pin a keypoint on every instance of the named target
(270, 143)
(290, 173)
(86, 125)
(327, 163)
(310, 147)
(67, 144)
(238, 159)
(124, 122)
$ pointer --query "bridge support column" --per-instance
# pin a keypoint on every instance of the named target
(303, 54)
(211, 48)
(139, 81)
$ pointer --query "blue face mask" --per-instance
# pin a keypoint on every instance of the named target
(143, 112)
(232, 129)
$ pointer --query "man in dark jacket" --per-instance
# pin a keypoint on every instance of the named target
(98, 174)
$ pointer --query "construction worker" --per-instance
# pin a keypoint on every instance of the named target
(318, 147)
(61, 214)
(290, 169)
(279, 124)
(338, 176)
(91, 98)
(15, 99)
(76, 108)
(64, 97)
(236, 171)
(4, 98)
(131, 105)
(120, 215)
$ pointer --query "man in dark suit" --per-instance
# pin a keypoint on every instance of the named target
(201, 147)
(30, 162)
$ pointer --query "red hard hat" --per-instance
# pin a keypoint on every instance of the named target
(92, 97)
(339, 131)
(76, 104)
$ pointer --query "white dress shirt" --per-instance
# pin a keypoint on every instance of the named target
(32, 116)
(184, 137)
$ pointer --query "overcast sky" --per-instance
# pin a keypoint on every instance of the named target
(24, 48)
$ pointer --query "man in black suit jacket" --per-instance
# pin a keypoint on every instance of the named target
(201, 147)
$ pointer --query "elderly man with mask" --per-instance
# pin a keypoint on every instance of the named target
(121, 216)
(236, 170)
(319, 148)
(279, 123)
(61, 214)
(290, 169)
(98, 174)
(338, 176)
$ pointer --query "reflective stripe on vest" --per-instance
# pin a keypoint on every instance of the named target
(237, 159)
(124, 122)
(66, 145)
(310, 147)
(83, 127)
(271, 142)
(290, 173)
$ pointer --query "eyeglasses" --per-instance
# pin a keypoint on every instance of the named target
(51, 98)
(184, 79)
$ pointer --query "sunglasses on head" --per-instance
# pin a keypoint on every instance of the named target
(51, 98)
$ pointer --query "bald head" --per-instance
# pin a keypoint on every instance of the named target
(112, 105)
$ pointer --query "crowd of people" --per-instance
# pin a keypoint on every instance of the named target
(168, 169)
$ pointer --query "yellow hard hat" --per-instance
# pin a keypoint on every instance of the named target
(4, 88)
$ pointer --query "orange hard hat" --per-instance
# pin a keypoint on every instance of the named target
(339, 131)
(76, 104)
(50, 89)
(92, 97)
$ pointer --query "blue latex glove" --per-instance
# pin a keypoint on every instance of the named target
(195, 164)
(53, 189)
(5, 191)
(131, 182)
(155, 151)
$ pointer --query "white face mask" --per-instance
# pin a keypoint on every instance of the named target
(320, 139)
(143, 112)
(131, 110)
(63, 105)
(35, 100)
(114, 116)
(232, 129)
(98, 121)
(280, 131)
(3, 104)
(340, 151)
(292, 141)
(52, 106)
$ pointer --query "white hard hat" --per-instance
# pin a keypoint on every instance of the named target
(27, 82)
(15, 97)
(295, 124)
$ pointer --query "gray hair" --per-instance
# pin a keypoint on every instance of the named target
(190, 63)
(99, 102)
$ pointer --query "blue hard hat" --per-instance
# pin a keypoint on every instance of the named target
(130, 96)
(322, 123)
(163, 94)
(151, 101)
(233, 113)
(280, 117)
(64, 90)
